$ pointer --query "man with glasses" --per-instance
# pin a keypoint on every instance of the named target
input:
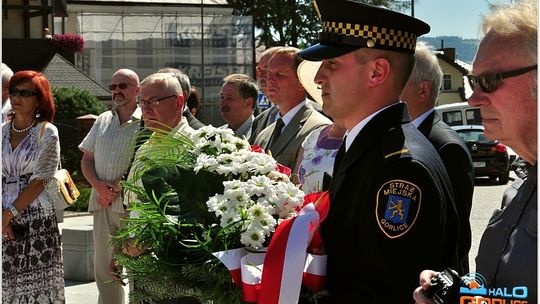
(186, 91)
(162, 104)
(505, 90)
(107, 154)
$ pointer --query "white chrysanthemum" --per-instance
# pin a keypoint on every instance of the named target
(205, 162)
(257, 211)
(237, 197)
(226, 170)
(234, 184)
(260, 217)
(225, 159)
(240, 143)
(214, 202)
(291, 194)
(253, 237)
(261, 164)
(227, 148)
(258, 185)
(228, 218)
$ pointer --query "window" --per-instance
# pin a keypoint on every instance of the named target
(453, 118)
(473, 117)
(447, 82)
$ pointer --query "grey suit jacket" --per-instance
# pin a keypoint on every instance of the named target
(285, 149)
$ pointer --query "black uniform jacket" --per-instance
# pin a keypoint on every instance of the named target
(458, 163)
(391, 213)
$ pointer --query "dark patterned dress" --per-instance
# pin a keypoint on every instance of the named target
(32, 268)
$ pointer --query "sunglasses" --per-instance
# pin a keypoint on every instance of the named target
(21, 93)
(489, 82)
(153, 101)
(122, 86)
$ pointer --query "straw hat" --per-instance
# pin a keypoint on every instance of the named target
(306, 74)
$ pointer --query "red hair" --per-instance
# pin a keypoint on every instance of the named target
(45, 97)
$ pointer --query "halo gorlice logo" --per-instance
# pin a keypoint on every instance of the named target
(473, 291)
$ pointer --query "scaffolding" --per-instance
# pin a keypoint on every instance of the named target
(147, 42)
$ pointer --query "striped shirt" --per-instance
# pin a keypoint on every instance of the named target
(112, 145)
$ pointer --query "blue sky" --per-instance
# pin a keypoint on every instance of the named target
(452, 17)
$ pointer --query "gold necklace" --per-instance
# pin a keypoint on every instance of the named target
(24, 129)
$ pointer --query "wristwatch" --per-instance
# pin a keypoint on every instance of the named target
(13, 211)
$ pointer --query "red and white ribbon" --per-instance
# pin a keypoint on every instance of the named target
(286, 256)
(314, 278)
(252, 268)
(231, 260)
(287, 265)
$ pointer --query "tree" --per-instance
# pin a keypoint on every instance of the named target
(292, 22)
(72, 102)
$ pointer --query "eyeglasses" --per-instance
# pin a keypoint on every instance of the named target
(21, 93)
(489, 82)
(122, 86)
(153, 101)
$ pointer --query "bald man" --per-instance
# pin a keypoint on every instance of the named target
(108, 150)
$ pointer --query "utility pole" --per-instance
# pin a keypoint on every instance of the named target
(412, 8)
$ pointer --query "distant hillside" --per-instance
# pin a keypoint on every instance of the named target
(465, 48)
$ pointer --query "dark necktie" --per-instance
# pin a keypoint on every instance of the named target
(276, 133)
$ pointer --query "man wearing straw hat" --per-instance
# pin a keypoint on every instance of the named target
(390, 192)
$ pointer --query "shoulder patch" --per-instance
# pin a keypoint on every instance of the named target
(398, 205)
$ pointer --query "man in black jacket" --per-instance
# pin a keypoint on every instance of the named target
(389, 194)
(420, 94)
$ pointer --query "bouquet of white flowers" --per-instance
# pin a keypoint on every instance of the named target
(203, 194)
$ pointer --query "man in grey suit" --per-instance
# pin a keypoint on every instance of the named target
(268, 116)
(296, 119)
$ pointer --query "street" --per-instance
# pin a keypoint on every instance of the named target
(487, 197)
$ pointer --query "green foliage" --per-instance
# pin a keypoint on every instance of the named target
(210, 283)
(72, 102)
(292, 22)
(71, 158)
(81, 205)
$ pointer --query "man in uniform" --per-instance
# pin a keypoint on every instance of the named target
(420, 94)
(389, 193)
(505, 84)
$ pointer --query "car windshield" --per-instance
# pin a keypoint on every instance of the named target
(474, 135)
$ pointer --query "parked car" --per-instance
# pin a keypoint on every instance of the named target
(490, 158)
(459, 114)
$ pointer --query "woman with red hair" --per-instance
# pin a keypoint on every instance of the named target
(32, 268)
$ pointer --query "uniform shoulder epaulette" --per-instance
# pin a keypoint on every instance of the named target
(393, 145)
